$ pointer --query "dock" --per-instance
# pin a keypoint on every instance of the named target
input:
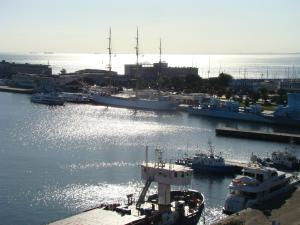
(258, 135)
(16, 90)
(284, 209)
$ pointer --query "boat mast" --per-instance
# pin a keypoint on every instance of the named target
(208, 72)
(160, 51)
(137, 46)
(109, 51)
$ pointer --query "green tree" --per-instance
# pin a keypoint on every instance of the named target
(193, 82)
(228, 94)
(224, 79)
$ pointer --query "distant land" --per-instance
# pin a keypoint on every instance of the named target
(153, 53)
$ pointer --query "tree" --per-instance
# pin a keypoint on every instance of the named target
(177, 83)
(224, 79)
(228, 94)
(264, 94)
(63, 71)
(282, 97)
(193, 82)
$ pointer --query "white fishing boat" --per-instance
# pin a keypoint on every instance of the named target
(47, 99)
(208, 162)
(255, 186)
(75, 97)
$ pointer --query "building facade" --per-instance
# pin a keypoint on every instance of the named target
(8, 69)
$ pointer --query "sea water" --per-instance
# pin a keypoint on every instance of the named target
(58, 161)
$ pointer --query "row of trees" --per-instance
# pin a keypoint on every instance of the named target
(215, 86)
(188, 84)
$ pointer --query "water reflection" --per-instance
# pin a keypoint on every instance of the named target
(60, 160)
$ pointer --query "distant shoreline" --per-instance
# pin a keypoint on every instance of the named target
(104, 53)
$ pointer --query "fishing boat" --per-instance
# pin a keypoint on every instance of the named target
(283, 160)
(47, 99)
(75, 97)
(255, 186)
(208, 162)
(167, 207)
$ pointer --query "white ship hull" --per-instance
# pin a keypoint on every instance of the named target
(135, 103)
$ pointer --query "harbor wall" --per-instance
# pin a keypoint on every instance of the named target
(258, 135)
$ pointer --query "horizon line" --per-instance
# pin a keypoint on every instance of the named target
(124, 53)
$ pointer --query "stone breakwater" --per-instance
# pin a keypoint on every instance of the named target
(285, 211)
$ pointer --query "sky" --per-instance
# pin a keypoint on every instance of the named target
(185, 26)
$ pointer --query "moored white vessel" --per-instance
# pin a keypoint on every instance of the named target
(47, 99)
(255, 186)
(208, 162)
(162, 103)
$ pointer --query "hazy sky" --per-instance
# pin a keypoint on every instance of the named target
(185, 26)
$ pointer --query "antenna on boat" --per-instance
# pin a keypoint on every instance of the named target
(109, 51)
(146, 152)
(210, 148)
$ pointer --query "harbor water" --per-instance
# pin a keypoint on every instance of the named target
(58, 161)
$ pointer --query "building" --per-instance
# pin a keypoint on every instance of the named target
(8, 69)
(153, 71)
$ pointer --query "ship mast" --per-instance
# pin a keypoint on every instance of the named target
(137, 46)
(109, 51)
(160, 51)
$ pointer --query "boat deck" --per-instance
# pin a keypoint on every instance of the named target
(98, 216)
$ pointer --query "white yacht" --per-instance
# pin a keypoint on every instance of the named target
(256, 185)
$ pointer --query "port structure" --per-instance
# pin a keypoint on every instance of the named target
(165, 174)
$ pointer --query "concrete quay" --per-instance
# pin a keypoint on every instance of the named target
(16, 90)
(259, 135)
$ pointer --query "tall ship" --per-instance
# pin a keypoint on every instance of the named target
(162, 103)
(167, 207)
(257, 185)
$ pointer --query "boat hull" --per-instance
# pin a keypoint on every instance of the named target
(257, 203)
(45, 102)
(214, 169)
(133, 103)
(229, 115)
